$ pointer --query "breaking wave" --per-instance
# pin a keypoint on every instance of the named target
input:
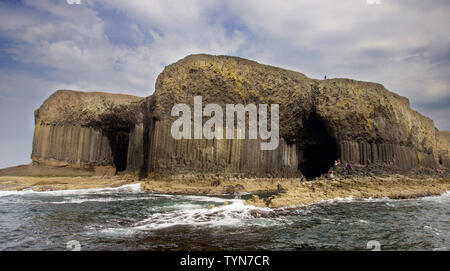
(235, 214)
(152, 221)
(128, 188)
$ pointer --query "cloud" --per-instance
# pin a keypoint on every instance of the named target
(71, 2)
(74, 45)
(20, 94)
(404, 45)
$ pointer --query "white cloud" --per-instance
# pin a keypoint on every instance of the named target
(74, 45)
(393, 43)
(345, 39)
(20, 94)
(71, 2)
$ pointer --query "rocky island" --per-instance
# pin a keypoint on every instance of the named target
(99, 138)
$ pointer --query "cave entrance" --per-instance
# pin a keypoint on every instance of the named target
(319, 148)
(118, 142)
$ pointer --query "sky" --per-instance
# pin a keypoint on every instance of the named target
(121, 46)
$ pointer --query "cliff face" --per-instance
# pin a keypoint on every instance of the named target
(228, 80)
(373, 125)
(443, 141)
(84, 129)
(320, 121)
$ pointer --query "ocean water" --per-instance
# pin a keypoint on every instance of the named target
(125, 218)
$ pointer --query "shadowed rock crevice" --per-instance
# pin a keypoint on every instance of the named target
(118, 142)
(116, 126)
(148, 124)
(318, 148)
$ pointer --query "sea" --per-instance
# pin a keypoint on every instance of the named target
(125, 218)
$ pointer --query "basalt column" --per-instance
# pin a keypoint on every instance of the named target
(319, 121)
(84, 130)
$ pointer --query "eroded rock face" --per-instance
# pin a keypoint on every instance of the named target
(373, 125)
(320, 121)
(443, 147)
(84, 129)
(228, 80)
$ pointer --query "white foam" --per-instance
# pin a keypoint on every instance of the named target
(432, 230)
(109, 199)
(192, 197)
(16, 193)
(362, 221)
(128, 188)
(224, 215)
(205, 198)
(444, 197)
(181, 206)
(332, 201)
(234, 214)
(117, 231)
(440, 249)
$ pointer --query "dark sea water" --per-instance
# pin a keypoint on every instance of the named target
(126, 219)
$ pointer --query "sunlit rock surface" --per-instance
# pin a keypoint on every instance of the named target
(320, 121)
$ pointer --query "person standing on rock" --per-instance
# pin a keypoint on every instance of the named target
(302, 178)
(313, 188)
(279, 187)
(349, 167)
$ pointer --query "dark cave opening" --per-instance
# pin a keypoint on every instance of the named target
(319, 148)
(118, 142)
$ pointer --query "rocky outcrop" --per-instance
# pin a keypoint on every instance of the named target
(373, 125)
(320, 121)
(84, 129)
(443, 148)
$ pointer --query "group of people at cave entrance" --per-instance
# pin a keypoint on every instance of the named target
(337, 168)
(340, 168)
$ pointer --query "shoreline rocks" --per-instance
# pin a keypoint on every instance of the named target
(260, 192)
